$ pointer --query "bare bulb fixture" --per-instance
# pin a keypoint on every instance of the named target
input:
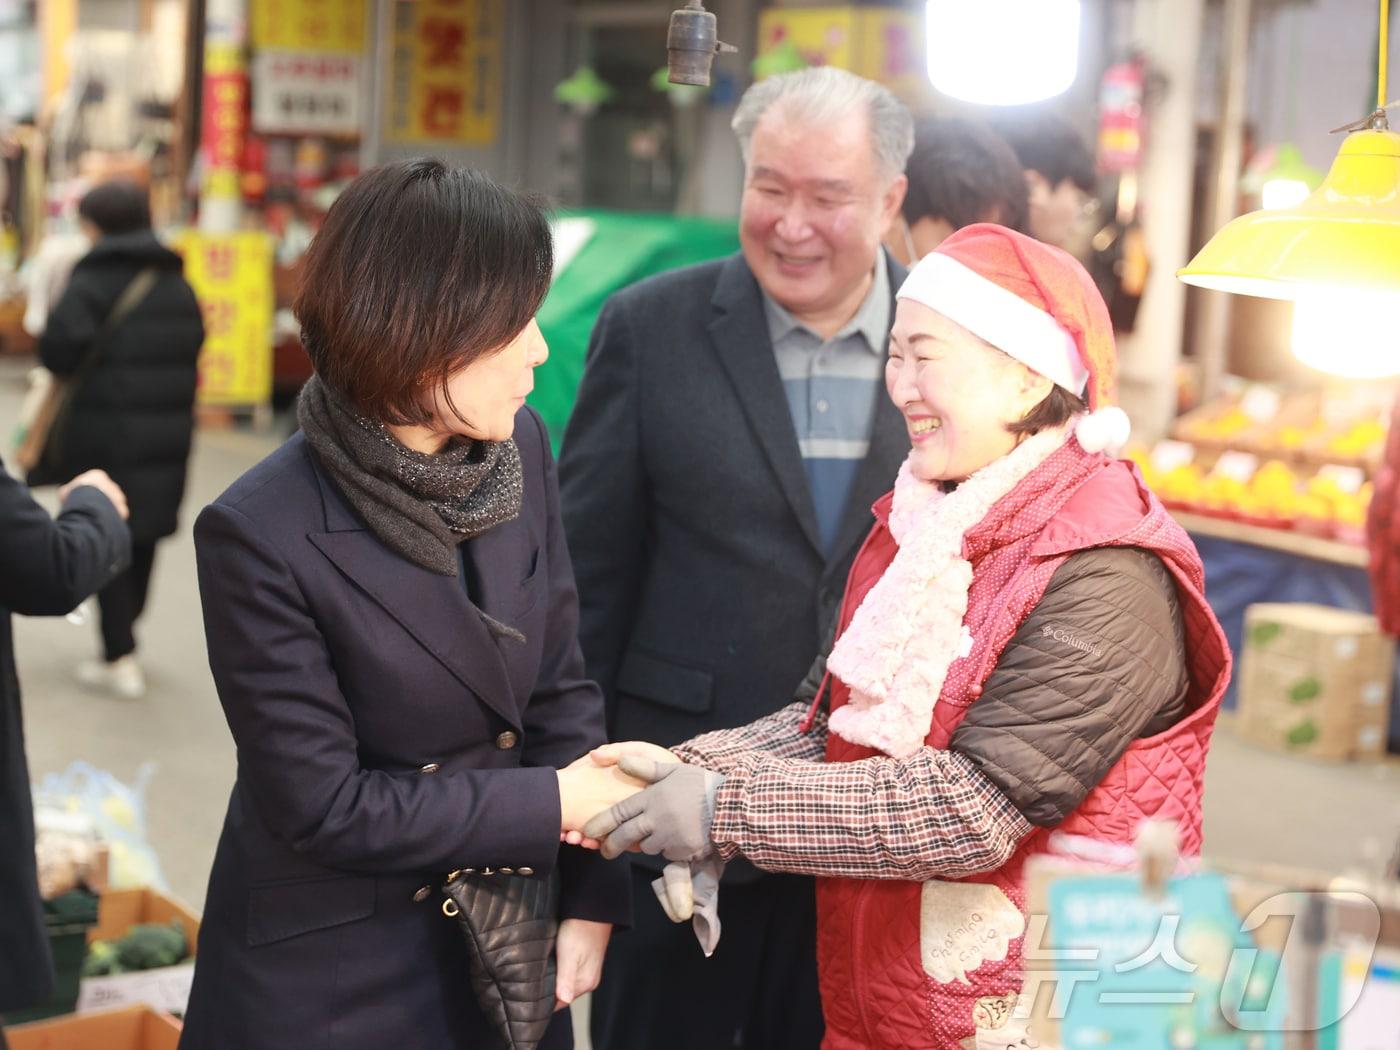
(691, 45)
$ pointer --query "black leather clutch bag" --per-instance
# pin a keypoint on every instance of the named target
(510, 923)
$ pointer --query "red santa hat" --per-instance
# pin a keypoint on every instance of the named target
(1036, 303)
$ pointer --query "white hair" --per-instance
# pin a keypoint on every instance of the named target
(823, 95)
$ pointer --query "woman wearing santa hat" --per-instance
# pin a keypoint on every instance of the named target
(1024, 646)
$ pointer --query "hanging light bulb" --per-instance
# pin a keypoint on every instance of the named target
(1003, 52)
(1348, 333)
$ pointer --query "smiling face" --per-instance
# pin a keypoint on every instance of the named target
(956, 392)
(489, 392)
(814, 210)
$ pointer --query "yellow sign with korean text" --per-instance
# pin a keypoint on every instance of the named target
(309, 25)
(446, 71)
(232, 277)
(880, 43)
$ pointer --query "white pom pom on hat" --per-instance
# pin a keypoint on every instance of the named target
(1036, 303)
(1104, 430)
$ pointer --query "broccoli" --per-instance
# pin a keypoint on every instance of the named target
(101, 960)
(151, 945)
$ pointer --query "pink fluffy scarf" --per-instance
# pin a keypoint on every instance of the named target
(909, 629)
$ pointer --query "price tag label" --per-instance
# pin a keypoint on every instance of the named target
(1239, 466)
(1261, 403)
(1169, 455)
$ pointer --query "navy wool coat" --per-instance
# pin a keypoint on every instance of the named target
(385, 737)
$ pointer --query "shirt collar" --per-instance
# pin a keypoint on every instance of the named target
(871, 321)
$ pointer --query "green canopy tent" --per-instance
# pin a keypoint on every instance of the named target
(602, 252)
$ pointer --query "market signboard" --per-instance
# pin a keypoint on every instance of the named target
(309, 25)
(306, 92)
(882, 44)
(446, 71)
(232, 277)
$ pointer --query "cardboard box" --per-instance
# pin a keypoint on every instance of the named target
(167, 988)
(127, 1028)
(1315, 681)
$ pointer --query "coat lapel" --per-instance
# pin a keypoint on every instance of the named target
(433, 609)
(496, 561)
(889, 446)
(739, 332)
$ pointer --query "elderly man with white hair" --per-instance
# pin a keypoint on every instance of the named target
(717, 476)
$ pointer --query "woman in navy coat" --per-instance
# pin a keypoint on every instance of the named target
(391, 620)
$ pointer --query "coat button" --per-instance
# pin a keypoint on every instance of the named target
(525, 871)
(506, 871)
(423, 894)
(431, 767)
(507, 740)
(974, 691)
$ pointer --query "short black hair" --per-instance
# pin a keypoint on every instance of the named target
(116, 207)
(1056, 409)
(1048, 144)
(418, 270)
(962, 172)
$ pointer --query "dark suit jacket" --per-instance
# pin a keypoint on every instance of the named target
(704, 588)
(47, 567)
(385, 737)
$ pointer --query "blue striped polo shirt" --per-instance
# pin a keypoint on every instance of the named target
(831, 389)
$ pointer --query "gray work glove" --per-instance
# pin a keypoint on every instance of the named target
(691, 891)
(671, 818)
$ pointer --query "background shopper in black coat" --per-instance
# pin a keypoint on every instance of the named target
(132, 411)
(47, 566)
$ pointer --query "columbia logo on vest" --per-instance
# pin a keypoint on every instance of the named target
(1061, 635)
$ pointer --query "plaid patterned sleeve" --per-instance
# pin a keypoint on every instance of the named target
(932, 816)
(777, 735)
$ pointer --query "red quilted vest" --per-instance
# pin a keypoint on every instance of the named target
(914, 965)
(1383, 532)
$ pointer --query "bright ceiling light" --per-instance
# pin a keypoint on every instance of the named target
(1003, 52)
(1348, 333)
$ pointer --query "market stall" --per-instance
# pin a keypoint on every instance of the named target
(1273, 484)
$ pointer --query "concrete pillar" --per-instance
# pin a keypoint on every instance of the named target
(1213, 318)
(1170, 31)
(223, 117)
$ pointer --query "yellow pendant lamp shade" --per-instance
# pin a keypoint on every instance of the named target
(1346, 234)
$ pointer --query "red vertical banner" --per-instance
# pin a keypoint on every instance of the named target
(225, 119)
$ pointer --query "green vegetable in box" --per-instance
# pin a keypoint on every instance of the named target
(146, 947)
(101, 960)
(150, 946)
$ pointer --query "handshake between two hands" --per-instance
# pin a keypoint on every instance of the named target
(639, 797)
